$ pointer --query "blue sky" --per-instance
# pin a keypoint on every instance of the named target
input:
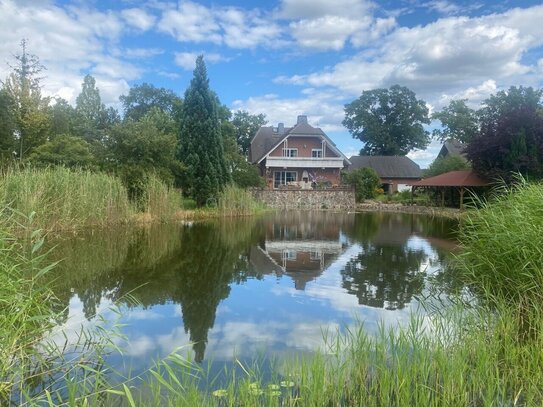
(286, 57)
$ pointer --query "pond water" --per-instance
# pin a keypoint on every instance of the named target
(241, 287)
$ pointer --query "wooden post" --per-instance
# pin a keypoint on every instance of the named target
(442, 197)
(412, 192)
(461, 198)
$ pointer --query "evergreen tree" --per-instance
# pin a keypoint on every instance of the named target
(30, 113)
(201, 146)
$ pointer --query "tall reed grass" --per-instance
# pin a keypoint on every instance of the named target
(159, 200)
(236, 201)
(61, 198)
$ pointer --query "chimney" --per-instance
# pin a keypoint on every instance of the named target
(281, 128)
(302, 119)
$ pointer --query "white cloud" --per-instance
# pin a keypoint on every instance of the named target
(323, 109)
(311, 9)
(138, 18)
(191, 22)
(187, 60)
(70, 42)
(448, 55)
(142, 52)
(327, 32)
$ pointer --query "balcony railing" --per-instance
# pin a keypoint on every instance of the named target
(304, 162)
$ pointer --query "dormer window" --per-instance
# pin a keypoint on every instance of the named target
(316, 153)
(290, 152)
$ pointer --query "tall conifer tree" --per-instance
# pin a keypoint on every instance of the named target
(201, 146)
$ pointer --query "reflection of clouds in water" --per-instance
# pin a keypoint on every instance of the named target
(69, 333)
(429, 265)
(142, 315)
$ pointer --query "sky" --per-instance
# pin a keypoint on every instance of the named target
(287, 57)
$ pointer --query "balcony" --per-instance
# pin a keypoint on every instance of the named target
(304, 162)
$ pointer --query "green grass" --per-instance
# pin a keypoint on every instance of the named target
(159, 200)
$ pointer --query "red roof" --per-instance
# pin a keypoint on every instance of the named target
(452, 179)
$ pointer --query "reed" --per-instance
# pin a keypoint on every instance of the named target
(160, 201)
(236, 201)
(61, 198)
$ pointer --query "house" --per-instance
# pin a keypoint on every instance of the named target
(395, 172)
(301, 156)
(452, 147)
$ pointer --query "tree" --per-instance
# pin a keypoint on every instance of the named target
(388, 121)
(365, 182)
(246, 125)
(93, 118)
(142, 98)
(62, 117)
(513, 145)
(441, 165)
(134, 149)
(458, 120)
(508, 103)
(7, 126)
(64, 149)
(30, 110)
(200, 142)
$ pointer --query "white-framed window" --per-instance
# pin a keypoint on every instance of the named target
(289, 255)
(290, 152)
(316, 153)
(315, 254)
(284, 177)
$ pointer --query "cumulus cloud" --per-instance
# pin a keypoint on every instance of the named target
(324, 110)
(138, 18)
(70, 42)
(452, 53)
(191, 22)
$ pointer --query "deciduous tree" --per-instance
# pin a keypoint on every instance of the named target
(246, 125)
(388, 121)
(458, 121)
(142, 98)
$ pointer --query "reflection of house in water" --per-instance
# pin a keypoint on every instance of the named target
(300, 245)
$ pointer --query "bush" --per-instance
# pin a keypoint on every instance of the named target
(365, 182)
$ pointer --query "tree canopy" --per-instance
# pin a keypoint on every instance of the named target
(142, 98)
(246, 125)
(441, 165)
(458, 122)
(388, 121)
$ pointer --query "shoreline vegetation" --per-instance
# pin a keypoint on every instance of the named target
(483, 348)
(58, 199)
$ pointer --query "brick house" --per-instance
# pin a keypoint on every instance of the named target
(301, 156)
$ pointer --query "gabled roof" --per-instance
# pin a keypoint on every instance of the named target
(268, 138)
(393, 166)
(452, 147)
(464, 178)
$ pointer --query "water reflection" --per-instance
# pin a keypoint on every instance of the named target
(234, 278)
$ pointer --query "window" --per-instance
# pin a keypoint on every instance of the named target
(289, 255)
(315, 255)
(316, 153)
(290, 152)
(284, 177)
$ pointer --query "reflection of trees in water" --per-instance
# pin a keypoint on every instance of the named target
(191, 266)
(384, 276)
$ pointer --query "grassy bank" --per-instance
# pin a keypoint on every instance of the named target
(57, 198)
(482, 349)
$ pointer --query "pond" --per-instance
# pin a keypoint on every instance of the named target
(271, 285)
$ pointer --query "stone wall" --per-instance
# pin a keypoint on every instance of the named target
(307, 199)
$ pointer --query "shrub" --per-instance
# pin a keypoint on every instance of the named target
(365, 182)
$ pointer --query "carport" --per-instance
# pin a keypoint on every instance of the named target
(461, 180)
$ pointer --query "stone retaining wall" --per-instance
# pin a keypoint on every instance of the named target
(307, 199)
